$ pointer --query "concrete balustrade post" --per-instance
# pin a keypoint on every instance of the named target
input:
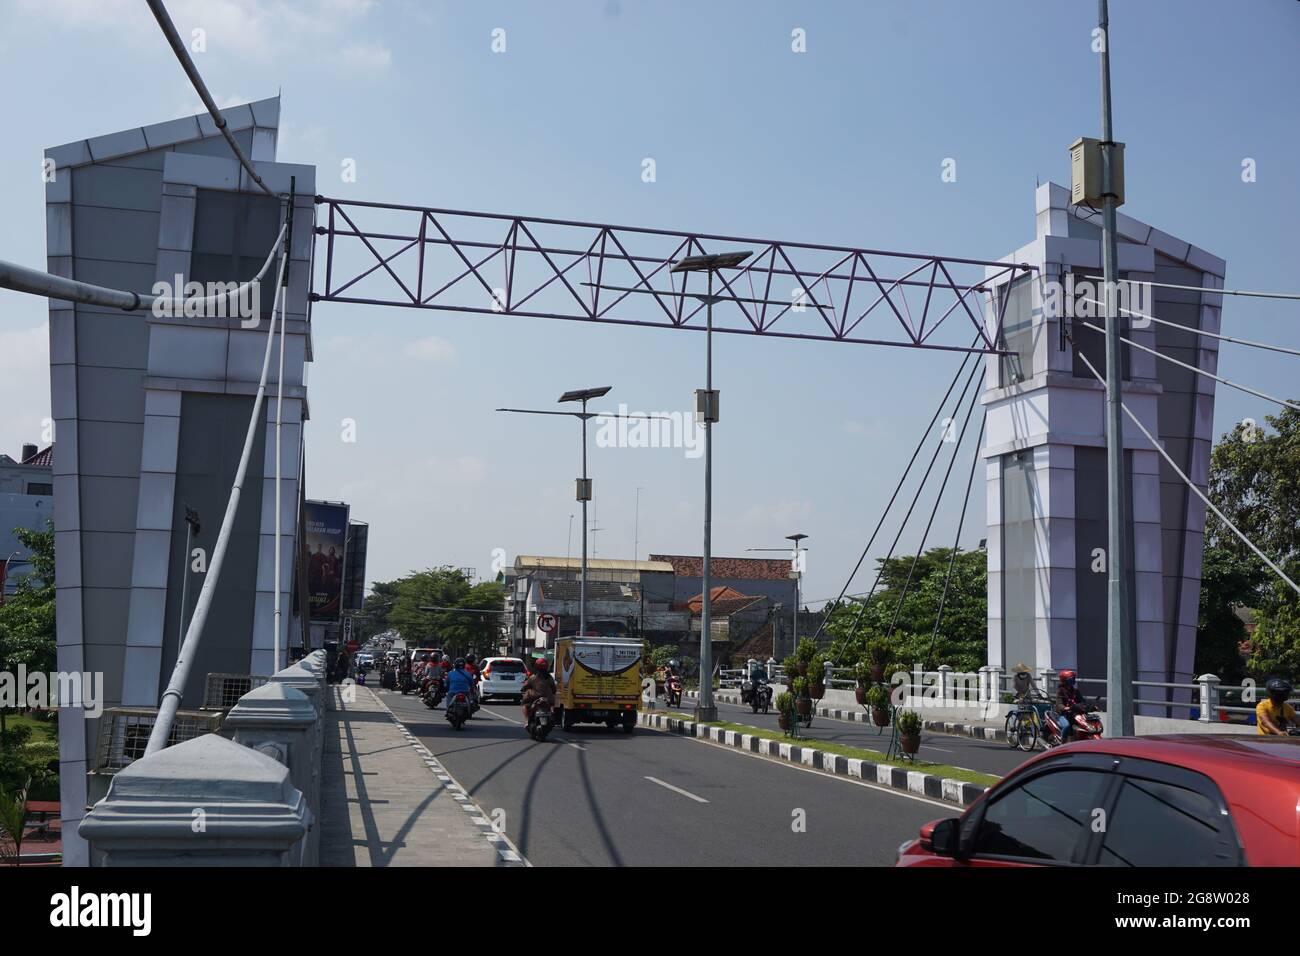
(279, 721)
(771, 668)
(1049, 675)
(1209, 697)
(946, 692)
(207, 801)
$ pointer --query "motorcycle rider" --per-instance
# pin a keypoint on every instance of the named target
(471, 667)
(459, 681)
(755, 680)
(1274, 715)
(540, 685)
(1068, 701)
(671, 672)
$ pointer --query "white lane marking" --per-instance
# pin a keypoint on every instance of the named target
(684, 793)
(576, 746)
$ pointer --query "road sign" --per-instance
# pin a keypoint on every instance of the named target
(353, 647)
(546, 622)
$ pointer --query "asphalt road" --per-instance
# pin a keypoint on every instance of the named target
(986, 756)
(596, 797)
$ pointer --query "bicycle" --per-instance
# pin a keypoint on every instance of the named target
(1023, 722)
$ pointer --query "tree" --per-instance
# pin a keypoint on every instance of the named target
(908, 626)
(1228, 581)
(1255, 481)
(27, 630)
(453, 628)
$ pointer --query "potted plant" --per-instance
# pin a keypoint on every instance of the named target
(804, 652)
(791, 667)
(784, 704)
(802, 702)
(877, 659)
(862, 677)
(817, 677)
(878, 701)
(909, 732)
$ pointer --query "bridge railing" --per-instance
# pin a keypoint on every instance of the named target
(244, 793)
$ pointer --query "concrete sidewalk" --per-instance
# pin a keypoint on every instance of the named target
(385, 800)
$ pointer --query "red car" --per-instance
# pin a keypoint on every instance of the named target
(1184, 800)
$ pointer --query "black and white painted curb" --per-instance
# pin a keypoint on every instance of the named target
(886, 775)
(507, 852)
(979, 731)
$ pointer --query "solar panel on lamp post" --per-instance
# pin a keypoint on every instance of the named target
(706, 412)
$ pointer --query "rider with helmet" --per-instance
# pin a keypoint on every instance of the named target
(1068, 701)
(1274, 715)
(459, 680)
(540, 685)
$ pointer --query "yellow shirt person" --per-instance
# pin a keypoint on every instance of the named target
(1280, 715)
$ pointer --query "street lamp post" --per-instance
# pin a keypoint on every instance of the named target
(582, 395)
(796, 572)
(706, 412)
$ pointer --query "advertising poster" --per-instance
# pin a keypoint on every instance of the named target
(326, 537)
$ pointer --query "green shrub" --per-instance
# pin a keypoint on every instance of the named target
(878, 696)
(799, 685)
(806, 650)
(784, 702)
(816, 669)
(909, 723)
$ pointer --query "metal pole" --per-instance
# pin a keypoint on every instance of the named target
(798, 577)
(582, 588)
(706, 709)
(1119, 643)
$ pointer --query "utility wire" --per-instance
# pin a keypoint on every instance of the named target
(1199, 371)
(187, 64)
(899, 487)
(857, 621)
(1179, 472)
(1213, 335)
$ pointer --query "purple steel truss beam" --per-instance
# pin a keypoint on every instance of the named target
(529, 266)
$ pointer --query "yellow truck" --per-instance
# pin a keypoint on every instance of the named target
(597, 680)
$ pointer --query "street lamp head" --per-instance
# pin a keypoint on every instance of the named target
(585, 394)
(796, 538)
(711, 262)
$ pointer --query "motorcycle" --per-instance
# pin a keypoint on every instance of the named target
(458, 710)
(1084, 725)
(431, 690)
(760, 697)
(673, 691)
(540, 720)
(406, 682)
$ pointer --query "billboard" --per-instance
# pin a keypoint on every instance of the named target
(326, 537)
(354, 586)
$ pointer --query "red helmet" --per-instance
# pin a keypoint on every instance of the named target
(542, 664)
(1068, 677)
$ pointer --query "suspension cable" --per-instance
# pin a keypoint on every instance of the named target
(897, 488)
(1187, 481)
(938, 499)
(1199, 371)
(171, 698)
(1213, 335)
(857, 621)
(196, 80)
(952, 558)
(1202, 288)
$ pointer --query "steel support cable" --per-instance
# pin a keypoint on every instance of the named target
(33, 281)
(1187, 481)
(899, 487)
(1201, 288)
(952, 558)
(943, 486)
(1199, 371)
(1213, 335)
(857, 621)
(196, 80)
(171, 698)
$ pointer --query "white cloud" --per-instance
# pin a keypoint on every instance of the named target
(431, 349)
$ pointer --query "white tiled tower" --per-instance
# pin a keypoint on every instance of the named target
(1045, 453)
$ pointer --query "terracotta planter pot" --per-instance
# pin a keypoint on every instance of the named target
(804, 706)
(802, 669)
(783, 721)
(860, 695)
(910, 744)
(878, 673)
(817, 691)
(880, 716)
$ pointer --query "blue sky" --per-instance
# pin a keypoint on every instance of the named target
(840, 144)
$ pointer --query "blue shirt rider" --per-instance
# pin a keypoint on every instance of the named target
(459, 681)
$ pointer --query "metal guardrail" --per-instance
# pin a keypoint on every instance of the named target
(222, 691)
